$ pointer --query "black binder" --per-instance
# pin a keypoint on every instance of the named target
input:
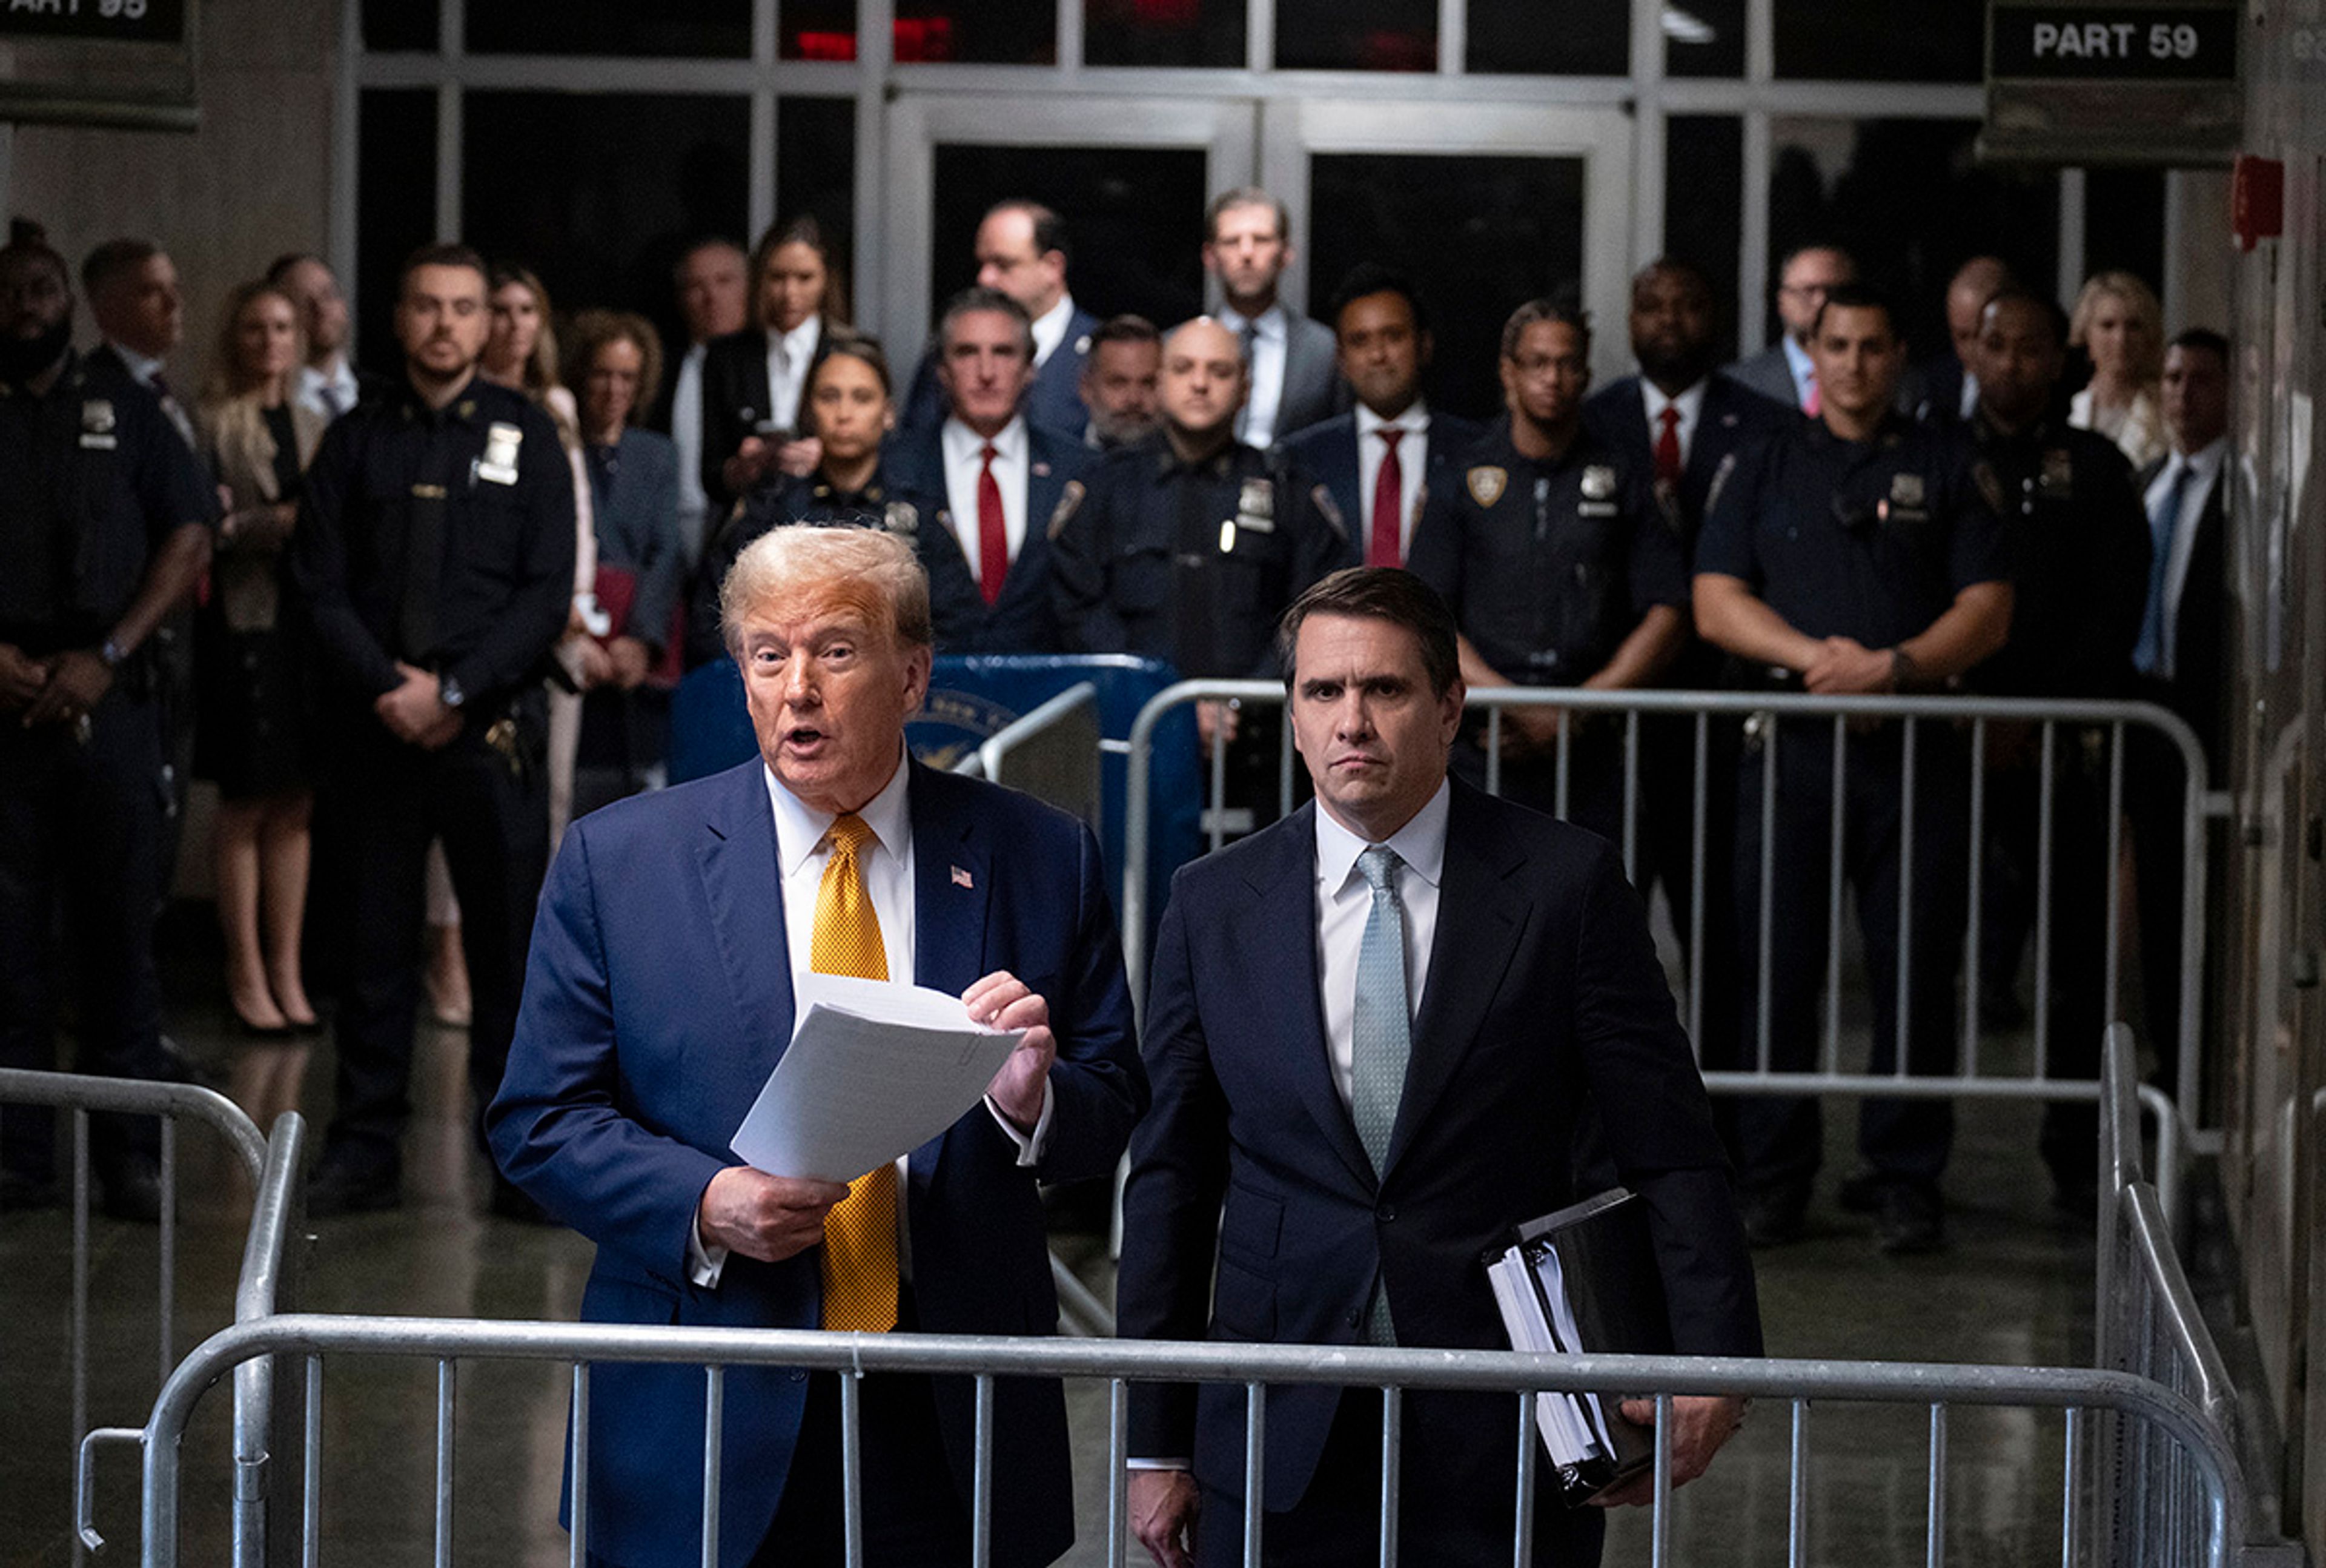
(1584, 1280)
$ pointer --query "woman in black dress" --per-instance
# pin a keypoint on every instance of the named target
(249, 736)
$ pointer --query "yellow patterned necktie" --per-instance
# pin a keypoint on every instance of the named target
(860, 1233)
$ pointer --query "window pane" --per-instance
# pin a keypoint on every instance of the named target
(400, 25)
(1564, 38)
(704, 28)
(816, 171)
(1478, 234)
(2123, 222)
(988, 33)
(395, 209)
(1163, 32)
(1851, 40)
(1704, 38)
(1356, 34)
(817, 29)
(1706, 152)
(1134, 221)
(1905, 198)
(641, 179)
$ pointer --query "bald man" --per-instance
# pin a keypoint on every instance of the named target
(1947, 383)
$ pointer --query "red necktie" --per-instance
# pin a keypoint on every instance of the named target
(1385, 545)
(993, 536)
(1667, 463)
(1813, 402)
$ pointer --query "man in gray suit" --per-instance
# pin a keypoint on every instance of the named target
(1782, 371)
(1294, 379)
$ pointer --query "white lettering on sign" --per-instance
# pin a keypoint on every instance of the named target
(2113, 41)
(44, 7)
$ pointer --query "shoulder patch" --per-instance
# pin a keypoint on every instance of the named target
(1488, 482)
(1070, 501)
(1990, 488)
(1719, 483)
(1329, 511)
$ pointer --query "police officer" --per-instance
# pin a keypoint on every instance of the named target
(1855, 553)
(2080, 558)
(104, 526)
(1188, 544)
(1560, 568)
(435, 561)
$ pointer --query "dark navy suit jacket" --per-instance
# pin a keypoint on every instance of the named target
(657, 1000)
(1020, 621)
(1329, 451)
(1543, 988)
(1734, 417)
(1055, 402)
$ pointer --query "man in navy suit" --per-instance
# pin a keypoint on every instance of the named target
(1381, 460)
(1783, 372)
(1000, 475)
(1367, 1151)
(660, 994)
(1021, 250)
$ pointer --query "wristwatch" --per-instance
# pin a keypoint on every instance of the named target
(449, 692)
(113, 654)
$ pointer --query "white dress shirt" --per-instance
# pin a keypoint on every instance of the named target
(788, 354)
(803, 850)
(1270, 338)
(1690, 404)
(1050, 329)
(686, 435)
(1412, 461)
(340, 380)
(1797, 360)
(1343, 902)
(963, 449)
(2204, 467)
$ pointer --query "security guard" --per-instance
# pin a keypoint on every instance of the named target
(1188, 545)
(434, 561)
(2079, 560)
(1560, 568)
(1855, 553)
(104, 526)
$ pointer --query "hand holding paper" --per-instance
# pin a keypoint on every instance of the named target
(1002, 1001)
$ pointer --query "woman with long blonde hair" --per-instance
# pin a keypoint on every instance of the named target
(2118, 323)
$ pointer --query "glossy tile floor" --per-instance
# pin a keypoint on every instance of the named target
(2013, 1287)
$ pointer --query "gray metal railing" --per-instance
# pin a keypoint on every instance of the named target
(1972, 1078)
(83, 1095)
(1052, 751)
(2145, 1406)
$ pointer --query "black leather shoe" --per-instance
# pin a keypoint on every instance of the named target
(511, 1202)
(132, 1190)
(1913, 1220)
(349, 1184)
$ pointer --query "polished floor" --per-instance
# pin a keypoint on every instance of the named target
(2015, 1286)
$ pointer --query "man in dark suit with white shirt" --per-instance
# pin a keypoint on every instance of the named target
(1022, 251)
(1294, 379)
(1368, 1151)
(1384, 458)
(2182, 655)
(1000, 475)
(1782, 371)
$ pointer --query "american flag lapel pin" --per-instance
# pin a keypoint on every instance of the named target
(961, 878)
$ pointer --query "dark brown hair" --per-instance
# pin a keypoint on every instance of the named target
(1379, 593)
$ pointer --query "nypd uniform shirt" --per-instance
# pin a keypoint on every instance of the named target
(1869, 540)
(93, 478)
(955, 605)
(1189, 563)
(1548, 565)
(473, 501)
(2078, 549)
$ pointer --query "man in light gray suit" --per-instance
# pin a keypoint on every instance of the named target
(1294, 379)
(1782, 371)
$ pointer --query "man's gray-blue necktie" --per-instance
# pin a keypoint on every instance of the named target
(1381, 1032)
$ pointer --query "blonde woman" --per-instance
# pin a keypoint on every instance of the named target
(2119, 324)
(252, 710)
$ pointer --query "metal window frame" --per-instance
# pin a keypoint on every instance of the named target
(887, 94)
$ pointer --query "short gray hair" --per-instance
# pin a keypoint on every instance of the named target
(872, 569)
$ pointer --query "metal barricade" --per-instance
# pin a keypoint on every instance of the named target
(2140, 1406)
(171, 1103)
(1971, 1076)
(1051, 753)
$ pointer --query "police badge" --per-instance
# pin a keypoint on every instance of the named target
(1486, 482)
(96, 425)
(1598, 482)
(499, 464)
(1256, 506)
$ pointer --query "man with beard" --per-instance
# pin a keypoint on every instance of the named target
(105, 524)
(1120, 380)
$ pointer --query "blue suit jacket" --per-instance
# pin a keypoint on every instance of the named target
(1021, 621)
(656, 1001)
(1543, 993)
(1329, 451)
(637, 527)
(1055, 401)
(1735, 418)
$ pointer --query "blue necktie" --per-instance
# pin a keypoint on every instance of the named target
(2163, 518)
(1382, 1034)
